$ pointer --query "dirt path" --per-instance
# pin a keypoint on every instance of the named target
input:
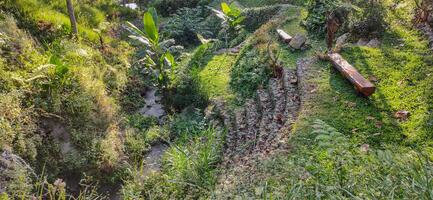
(258, 130)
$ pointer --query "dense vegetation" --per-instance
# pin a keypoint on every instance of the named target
(74, 120)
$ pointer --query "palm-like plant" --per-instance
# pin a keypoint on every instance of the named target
(231, 17)
(158, 56)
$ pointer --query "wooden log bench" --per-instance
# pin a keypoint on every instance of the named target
(284, 36)
(362, 85)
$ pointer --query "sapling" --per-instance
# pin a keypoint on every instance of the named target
(158, 56)
(232, 19)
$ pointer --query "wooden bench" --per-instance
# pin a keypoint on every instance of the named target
(284, 36)
(362, 85)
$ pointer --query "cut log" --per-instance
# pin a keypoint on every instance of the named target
(362, 85)
(284, 36)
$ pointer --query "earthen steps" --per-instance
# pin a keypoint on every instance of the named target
(255, 130)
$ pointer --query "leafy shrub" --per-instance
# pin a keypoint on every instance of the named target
(185, 90)
(189, 165)
(231, 22)
(157, 53)
(370, 21)
(141, 123)
(186, 24)
(248, 73)
(213, 24)
(239, 38)
(255, 17)
(317, 14)
(167, 7)
(132, 95)
(136, 145)
(363, 19)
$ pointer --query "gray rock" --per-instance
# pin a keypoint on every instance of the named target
(342, 39)
(374, 43)
(298, 41)
(362, 42)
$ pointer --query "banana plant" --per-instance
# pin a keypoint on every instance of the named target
(158, 56)
(231, 17)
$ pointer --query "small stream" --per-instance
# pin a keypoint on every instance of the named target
(153, 108)
(153, 159)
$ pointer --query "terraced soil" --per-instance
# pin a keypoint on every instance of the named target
(257, 130)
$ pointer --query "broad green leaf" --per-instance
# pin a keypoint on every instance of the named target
(154, 14)
(225, 8)
(234, 10)
(239, 20)
(219, 14)
(150, 28)
(135, 29)
(170, 59)
(143, 40)
(149, 61)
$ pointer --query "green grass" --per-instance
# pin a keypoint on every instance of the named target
(214, 78)
(74, 82)
(404, 83)
(334, 166)
(88, 17)
(189, 165)
(292, 26)
(260, 3)
(343, 146)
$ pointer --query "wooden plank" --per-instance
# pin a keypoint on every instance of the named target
(284, 36)
(362, 85)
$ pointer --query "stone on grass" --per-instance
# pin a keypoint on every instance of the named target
(374, 43)
(362, 42)
(298, 41)
(342, 39)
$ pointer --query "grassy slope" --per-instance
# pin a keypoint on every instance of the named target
(404, 81)
(327, 159)
(214, 78)
(81, 87)
(35, 10)
(189, 165)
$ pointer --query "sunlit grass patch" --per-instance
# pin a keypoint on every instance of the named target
(215, 76)
(37, 11)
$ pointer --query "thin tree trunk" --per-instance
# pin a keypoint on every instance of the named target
(72, 18)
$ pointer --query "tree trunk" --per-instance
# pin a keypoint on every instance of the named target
(72, 18)
(332, 27)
